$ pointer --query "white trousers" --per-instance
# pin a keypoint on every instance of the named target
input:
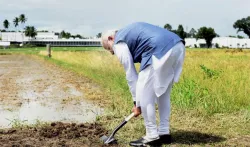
(167, 69)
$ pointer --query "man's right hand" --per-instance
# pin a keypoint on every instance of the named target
(136, 110)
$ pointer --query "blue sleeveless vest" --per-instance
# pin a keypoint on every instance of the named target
(145, 40)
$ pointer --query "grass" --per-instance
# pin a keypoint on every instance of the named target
(36, 50)
(210, 104)
(212, 81)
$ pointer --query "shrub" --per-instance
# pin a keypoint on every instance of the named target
(14, 46)
(28, 46)
(209, 72)
(217, 45)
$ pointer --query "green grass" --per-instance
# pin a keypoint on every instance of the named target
(210, 101)
(210, 83)
(36, 50)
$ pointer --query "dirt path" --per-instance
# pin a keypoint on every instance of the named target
(34, 91)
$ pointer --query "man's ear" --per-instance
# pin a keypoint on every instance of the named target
(110, 38)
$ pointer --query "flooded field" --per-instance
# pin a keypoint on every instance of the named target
(32, 91)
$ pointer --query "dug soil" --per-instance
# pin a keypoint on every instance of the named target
(54, 134)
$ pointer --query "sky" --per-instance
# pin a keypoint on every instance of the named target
(89, 17)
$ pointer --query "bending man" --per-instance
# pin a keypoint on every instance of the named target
(161, 56)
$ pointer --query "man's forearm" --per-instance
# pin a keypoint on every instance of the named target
(132, 88)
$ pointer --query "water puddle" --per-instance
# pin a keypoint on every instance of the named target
(33, 111)
(31, 91)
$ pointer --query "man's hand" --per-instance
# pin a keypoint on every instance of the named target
(136, 110)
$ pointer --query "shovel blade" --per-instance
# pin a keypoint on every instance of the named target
(108, 140)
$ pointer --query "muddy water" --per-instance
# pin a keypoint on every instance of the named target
(31, 91)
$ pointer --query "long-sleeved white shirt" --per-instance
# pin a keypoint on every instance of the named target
(121, 50)
(166, 70)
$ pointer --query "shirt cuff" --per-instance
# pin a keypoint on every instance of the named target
(138, 104)
(134, 98)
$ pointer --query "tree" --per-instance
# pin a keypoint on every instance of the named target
(79, 36)
(206, 33)
(22, 19)
(168, 27)
(243, 25)
(240, 37)
(180, 31)
(30, 31)
(192, 33)
(64, 34)
(6, 24)
(16, 21)
(46, 31)
(99, 35)
(67, 35)
(217, 45)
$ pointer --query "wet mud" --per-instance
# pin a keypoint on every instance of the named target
(32, 90)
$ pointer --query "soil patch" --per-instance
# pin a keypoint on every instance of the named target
(54, 134)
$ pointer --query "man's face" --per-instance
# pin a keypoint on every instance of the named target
(110, 49)
(108, 45)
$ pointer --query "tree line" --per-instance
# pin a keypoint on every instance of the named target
(29, 31)
(208, 33)
(68, 35)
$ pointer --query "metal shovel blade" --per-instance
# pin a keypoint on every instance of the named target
(109, 140)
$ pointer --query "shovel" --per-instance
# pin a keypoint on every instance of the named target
(111, 139)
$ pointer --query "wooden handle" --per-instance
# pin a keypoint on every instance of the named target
(130, 116)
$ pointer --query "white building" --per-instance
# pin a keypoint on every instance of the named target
(43, 38)
(20, 37)
(223, 42)
(232, 42)
(67, 42)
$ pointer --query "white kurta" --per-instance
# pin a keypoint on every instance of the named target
(164, 73)
(153, 84)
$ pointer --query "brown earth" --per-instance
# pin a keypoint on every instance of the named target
(55, 134)
(24, 80)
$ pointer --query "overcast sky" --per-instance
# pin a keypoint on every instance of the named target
(88, 17)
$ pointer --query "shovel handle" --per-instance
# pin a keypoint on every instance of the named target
(122, 124)
(129, 117)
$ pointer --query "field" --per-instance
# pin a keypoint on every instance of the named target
(210, 104)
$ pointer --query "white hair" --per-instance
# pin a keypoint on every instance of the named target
(107, 34)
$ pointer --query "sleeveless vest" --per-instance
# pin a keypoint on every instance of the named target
(145, 40)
